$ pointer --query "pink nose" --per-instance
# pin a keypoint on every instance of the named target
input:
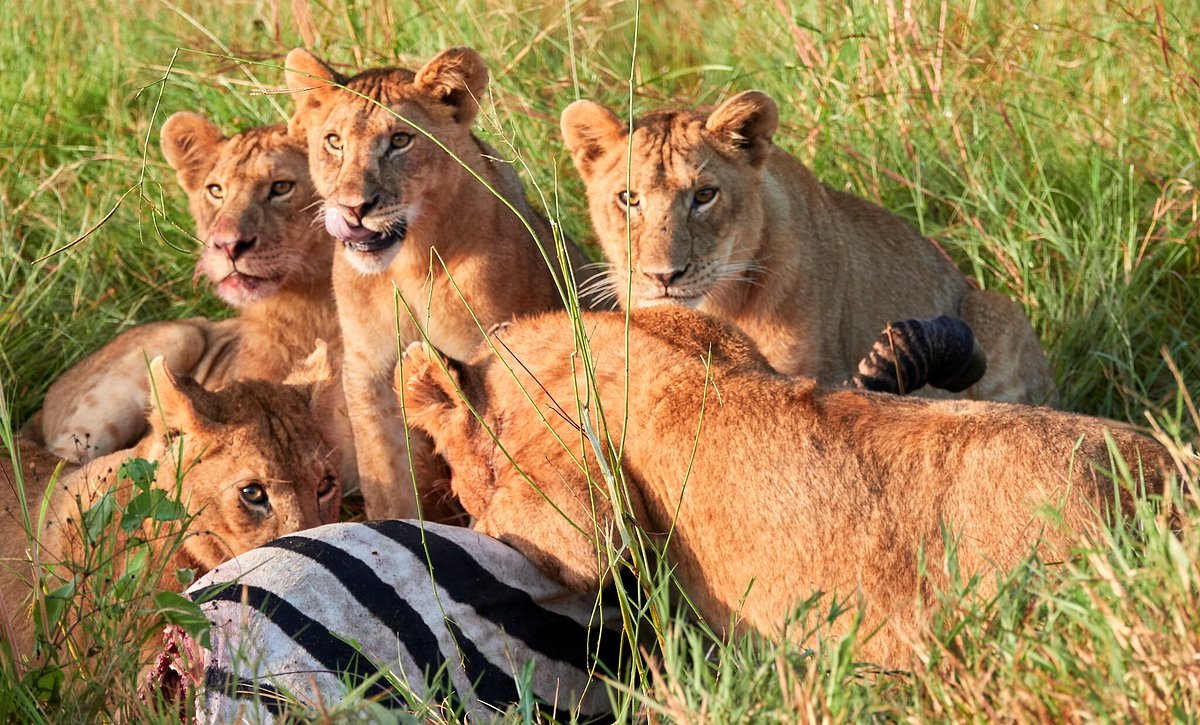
(666, 277)
(234, 247)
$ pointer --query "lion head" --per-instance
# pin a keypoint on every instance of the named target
(249, 195)
(379, 143)
(253, 460)
(672, 204)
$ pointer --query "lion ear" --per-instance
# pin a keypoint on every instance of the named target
(316, 373)
(311, 81)
(189, 142)
(456, 77)
(175, 404)
(745, 123)
(589, 130)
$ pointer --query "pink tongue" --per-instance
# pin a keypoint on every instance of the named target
(337, 225)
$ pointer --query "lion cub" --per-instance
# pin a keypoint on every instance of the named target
(254, 465)
(703, 210)
(437, 239)
(772, 487)
(249, 195)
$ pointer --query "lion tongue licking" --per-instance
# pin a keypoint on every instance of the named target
(355, 236)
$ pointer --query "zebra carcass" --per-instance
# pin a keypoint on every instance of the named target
(400, 614)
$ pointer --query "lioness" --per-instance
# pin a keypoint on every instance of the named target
(768, 488)
(249, 195)
(254, 465)
(393, 156)
(703, 210)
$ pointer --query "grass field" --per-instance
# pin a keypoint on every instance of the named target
(1052, 148)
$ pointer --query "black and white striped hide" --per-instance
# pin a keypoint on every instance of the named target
(301, 621)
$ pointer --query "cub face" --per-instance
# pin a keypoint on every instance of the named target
(250, 196)
(379, 173)
(671, 206)
(255, 461)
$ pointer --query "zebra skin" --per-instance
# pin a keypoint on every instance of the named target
(299, 623)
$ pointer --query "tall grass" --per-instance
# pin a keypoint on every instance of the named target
(1051, 147)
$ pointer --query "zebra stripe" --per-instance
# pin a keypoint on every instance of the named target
(300, 622)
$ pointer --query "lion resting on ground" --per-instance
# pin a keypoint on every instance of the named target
(253, 464)
(249, 195)
(772, 487)
(396, 162)
(707, 212)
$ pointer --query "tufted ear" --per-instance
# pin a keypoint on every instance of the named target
(312, 83)
(429, 384)
(745, 123)
(589, 130)
(189, 143)
(175, 404)
(456, 77)
(316, 373)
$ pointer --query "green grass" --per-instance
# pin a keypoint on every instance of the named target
(1050, 147)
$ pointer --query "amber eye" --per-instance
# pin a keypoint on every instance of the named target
(704, 196)
(401, 141)
(254, 495)
(215, 191)
(282, 188)
(327, 486)
(628, 198)
(333, 142)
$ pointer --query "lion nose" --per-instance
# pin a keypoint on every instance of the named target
(234, 247)
(666, 277)
(354, 213)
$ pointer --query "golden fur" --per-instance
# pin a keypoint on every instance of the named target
(251, 199)
(414, 219)
(253, 203)
(249, 434)
(782, 488)
(724, 221)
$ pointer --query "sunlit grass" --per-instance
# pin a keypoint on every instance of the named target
(1050, 147)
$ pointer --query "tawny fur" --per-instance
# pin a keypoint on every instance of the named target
(250, 432)
(724, 221)
(782, 488)
(414, 220)
(253, 205)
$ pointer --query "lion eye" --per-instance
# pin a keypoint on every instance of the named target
(215, 191)
(628, 198)
(704, 196)
(254, 494)
(282, 188)
(401, 140)
(327, 486)
(333, 142)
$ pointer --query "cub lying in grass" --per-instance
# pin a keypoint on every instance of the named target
(250, 196)
(771, 487)
(252, 464)
(702, 209)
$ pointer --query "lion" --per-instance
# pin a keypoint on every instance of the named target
(761, 488)
(437, 240)
(249, 195)
(250, 462)
(703, 210)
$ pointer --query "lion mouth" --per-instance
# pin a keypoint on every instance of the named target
(237, 288)
(358, 238)
(683, 300)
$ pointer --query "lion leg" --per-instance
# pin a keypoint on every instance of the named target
(1018, 370)
(99, 405)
